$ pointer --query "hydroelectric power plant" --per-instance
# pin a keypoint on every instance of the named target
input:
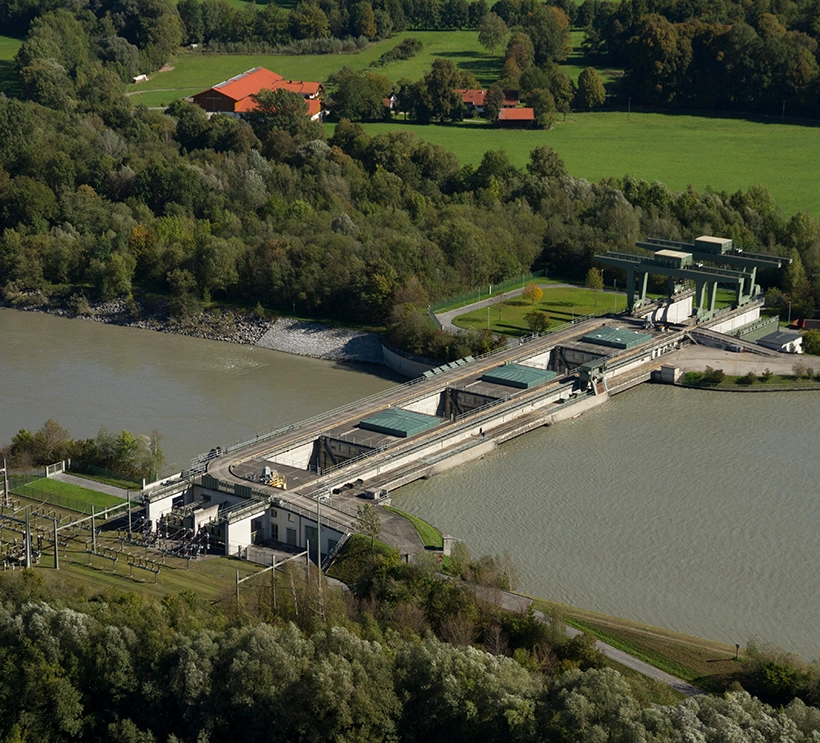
(299, 485)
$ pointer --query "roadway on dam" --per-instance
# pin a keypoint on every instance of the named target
(454, 437)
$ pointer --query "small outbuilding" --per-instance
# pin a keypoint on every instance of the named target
(516, 118)
(783, 341)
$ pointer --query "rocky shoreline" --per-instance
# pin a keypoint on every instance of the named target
(282, 334)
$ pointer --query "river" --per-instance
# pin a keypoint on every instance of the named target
(685, 509)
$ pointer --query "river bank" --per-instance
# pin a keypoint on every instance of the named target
(288, 335)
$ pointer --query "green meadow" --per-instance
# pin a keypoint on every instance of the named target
(563, 304)
(725, 154)
(8, 75)
(194, 71)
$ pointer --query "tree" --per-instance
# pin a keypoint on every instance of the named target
(277, 109)
(545, 162)
(493, 103)
(532, 293)
(811, 342)
(492, 32)
(368, 522)
(543, 105)
(591, 93)
(537, 321)
(562, 91)
(364, 20)
(439, 91)
(595, 281)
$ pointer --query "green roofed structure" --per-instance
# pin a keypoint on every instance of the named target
(616, 338)
(518, 375)
(398, 422)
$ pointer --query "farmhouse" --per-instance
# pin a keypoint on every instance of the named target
(475, 101)
(235, 96)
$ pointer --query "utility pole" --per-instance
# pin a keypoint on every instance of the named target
(56, 548)
(5, 483)
(28, 540)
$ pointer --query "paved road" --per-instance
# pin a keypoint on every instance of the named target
(82, 482)
(516, 602)
(696, 358)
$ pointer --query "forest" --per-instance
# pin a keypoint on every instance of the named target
(405, 657)
(171, 211)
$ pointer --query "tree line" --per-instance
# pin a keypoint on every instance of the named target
(119, 667)
(729, 56)
(134, 457)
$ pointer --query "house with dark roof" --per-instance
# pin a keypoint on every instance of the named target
(235, 96)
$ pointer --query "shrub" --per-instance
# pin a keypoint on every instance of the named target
(749, 378)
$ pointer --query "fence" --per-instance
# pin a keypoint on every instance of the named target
(90, 469)
(26, 486)
(492, 289)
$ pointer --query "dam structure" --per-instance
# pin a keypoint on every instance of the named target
(300, 486)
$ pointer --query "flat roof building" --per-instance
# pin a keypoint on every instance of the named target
(616, 338)
(398, 422)
(519, 376)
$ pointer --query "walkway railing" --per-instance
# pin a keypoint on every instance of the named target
(351, 406)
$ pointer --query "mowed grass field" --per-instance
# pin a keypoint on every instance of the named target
(195, 71)
(561, 303)
(8, 75)
(725, 154)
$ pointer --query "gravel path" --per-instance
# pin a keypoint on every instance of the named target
(519, 603)
(321, 342)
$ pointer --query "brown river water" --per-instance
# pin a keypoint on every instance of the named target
(690, 510)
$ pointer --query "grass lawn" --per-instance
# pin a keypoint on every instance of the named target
(707, 664)
(560, 303)
(116, 482)
(726, 154)
(194, 71)
(428, 533)
(8, 75)
(69, 496)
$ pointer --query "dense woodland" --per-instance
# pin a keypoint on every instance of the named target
(99, 200)
(408, 658)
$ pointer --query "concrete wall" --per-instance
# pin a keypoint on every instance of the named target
(738, 321)
(677, 312)
(298, 457)
(238, 535)
(540, 361)
(458, 402)
(427, 406)
(404, 366)
(161, 506)
(335, 451)
(204, 515)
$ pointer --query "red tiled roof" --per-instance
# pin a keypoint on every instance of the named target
(516, 114)
(476, 97)
(247, 83)
(306, 89)
(314, 105)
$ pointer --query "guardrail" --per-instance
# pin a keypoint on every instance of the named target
(349, 407)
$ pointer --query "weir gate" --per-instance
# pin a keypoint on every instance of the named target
(300, 485)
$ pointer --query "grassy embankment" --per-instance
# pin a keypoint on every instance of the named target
(194, 71)
(704, 663)
(809, 379)
(428, 533)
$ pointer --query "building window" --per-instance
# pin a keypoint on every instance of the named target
(274, 532)
(291, 517)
